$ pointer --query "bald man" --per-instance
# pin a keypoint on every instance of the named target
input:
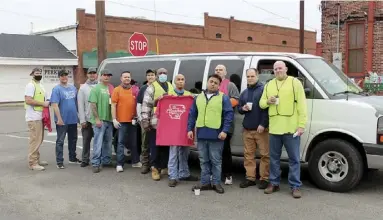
(231, 90)
(285, 99)
(178, 156)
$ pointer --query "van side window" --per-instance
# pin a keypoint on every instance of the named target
(138, 70)
(234, 70)
(266, 73)
(193, 70)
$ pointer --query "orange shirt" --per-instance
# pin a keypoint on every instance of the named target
(126, 104)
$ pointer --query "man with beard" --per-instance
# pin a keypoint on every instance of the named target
(123, 113)
(35, 101)
(84, 114)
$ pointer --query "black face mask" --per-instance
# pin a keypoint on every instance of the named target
(38, 78)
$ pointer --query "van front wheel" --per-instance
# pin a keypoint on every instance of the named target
(336, 165)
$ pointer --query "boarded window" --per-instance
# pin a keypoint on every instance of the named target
(355, 51)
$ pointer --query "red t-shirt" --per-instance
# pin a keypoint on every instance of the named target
(172, 113)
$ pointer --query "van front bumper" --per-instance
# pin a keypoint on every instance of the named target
(374, 154)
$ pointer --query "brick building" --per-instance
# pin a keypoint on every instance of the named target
(217, 35)
(361, 35)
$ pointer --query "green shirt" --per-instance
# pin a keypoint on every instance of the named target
(101, 96)
(291, 111)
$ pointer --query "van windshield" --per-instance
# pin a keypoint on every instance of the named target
(329, 77)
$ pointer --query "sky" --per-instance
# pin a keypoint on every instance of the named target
(22, 16)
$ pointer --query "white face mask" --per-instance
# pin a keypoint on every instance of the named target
(162, 78)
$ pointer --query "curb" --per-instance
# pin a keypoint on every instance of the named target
(11, 104)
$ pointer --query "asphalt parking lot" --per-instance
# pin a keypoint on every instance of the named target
(77, 193)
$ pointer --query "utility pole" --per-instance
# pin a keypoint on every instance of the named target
(302, 26)
(101, 31)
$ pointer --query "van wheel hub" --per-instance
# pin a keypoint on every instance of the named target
(333, 166)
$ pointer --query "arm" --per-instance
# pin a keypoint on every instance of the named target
(228, 114)
(263, 102)
(301, 104)
(55, 100)
(93, 97)
(115, 97)
(138, 110)
(29, 93)
(233, 94)
(241, 104)
(94, 111)
(81, 105)
(57, 112)
(147, 106)
(193, 114)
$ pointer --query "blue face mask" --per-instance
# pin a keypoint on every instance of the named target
(162, 78)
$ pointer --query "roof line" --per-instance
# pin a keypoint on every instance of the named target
(56, 29)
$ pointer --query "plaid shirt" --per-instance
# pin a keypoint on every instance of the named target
(149, 119)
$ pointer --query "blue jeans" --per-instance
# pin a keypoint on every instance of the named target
(152, 146)
(62, 130)
(127, 136)
(178, 162)
(102, 144)
(210, 156)
(292, 147)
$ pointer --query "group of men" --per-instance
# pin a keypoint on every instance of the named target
(274, 115)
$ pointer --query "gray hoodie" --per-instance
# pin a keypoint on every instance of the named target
(84, 112)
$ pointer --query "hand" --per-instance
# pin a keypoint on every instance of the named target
(60, 122)
(299, 132)
(98, 123)
(190, 135)
(222, 135)
(160, 97)
(245, 108)
(260, 129)
(84, 125)
(46, 104)
(271, 100)
(116, 124)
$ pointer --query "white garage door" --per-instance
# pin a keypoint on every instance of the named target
(13, 80)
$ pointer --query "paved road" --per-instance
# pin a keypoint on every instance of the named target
(77, 193)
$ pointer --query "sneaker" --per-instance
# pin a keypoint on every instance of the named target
(296, 193)
(119, 169)
(43, 163)
(60, 166)
(164, 171)
(37, 167)
(263, 184)
(137, 165)
(247, 183)
(76, 161)
(84, 164)
(96, 169)
(155, 174)
(172, 183)
(145, 169)
(229, 181)
(218, 188)
(271, 189)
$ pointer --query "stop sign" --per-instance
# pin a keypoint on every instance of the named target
(138, 44)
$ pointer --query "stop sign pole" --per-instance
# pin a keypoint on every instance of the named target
(138, 44)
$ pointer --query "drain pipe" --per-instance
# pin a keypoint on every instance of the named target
(370, 41)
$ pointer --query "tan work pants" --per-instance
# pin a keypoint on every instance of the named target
(250, 139)
(36, 136)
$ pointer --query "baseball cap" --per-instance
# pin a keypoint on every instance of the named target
(35, 70)
(106, 72)
(62, 72)
(92, 70)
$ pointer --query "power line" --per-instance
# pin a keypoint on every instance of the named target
(270, 12)
(152, 10)
(29, 15)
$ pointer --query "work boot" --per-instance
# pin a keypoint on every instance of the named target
(145, 169)
(296, 193)
(263, 184)
(202, 187)
(172, 183)
(218, 188)
(247, 183)
(155, 174)
(271, 189)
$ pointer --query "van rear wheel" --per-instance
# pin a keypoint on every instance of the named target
(336, 165)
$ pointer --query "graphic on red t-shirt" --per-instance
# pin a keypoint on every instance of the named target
(172, 113)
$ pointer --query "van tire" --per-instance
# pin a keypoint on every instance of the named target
(342, 151)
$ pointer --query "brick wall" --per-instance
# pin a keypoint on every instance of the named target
(352, 11)
(183, 38)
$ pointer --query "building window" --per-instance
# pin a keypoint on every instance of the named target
(284, 42)
(218, 35)
(249, 39)
(355, 48)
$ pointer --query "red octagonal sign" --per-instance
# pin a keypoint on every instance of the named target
(138, 44)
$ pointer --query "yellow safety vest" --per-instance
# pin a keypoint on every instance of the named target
(39, 95)
(173, 92)
(159, 91)
(209, 112)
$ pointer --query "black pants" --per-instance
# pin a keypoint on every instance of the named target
(227, 158)
(159, 155)
(87, 134)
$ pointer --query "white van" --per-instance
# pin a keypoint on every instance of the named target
(344, 133)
